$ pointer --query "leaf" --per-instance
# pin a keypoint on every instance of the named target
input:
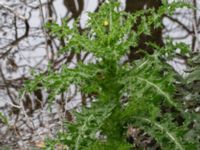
(193, 76)
(165, 94)
(3, 119)
(172, 137)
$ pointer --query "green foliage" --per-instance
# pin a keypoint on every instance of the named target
(138, 93)
(3, 119)
(189, 89)
(189, 93)
(194, 74)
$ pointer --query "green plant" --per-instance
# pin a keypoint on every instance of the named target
(3, 119)
(188, 92)
(189, 89)
(122, 94)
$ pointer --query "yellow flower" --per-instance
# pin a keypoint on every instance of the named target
(105, 23)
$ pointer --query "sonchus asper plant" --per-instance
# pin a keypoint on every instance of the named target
(137, 93)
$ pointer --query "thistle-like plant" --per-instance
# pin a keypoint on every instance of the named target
(122, 94)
